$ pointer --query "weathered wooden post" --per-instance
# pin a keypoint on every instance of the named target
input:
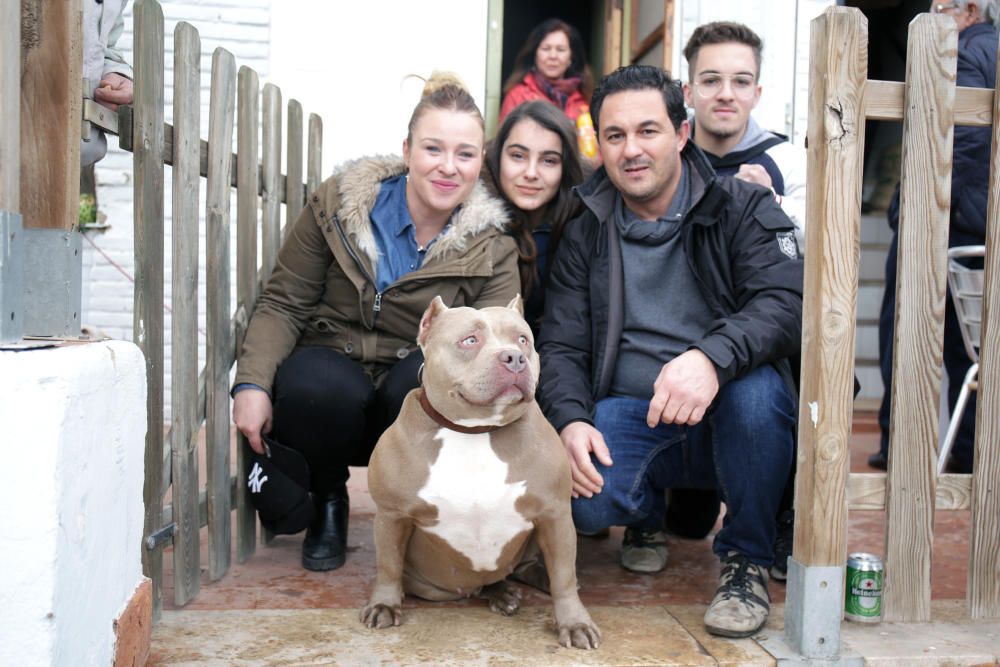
(184, 323)
(11, 268)
(247, 203)
(219, 345)
(147, 142)
(925, 201)
(837, 73)
(984, 548)
(51, 102)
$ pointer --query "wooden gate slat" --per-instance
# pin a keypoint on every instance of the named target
(270, 180)
(884, 101)
(984, 549)
(314, 172)
(147, 323)
(184, 321)
(925, 193)
(219, 346)
(247, 137)
(293, 166)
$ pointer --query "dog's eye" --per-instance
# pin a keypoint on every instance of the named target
(469, 341)
(522, 339)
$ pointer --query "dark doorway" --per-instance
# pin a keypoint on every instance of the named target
(520, 16)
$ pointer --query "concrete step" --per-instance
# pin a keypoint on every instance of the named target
(450, 637)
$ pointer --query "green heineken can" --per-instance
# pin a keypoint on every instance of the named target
(863, 599)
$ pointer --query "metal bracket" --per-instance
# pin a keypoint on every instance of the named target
(11, 277)
(814, 606)
(99, 115)
(53, 279)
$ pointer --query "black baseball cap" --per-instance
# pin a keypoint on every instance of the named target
(278, 482)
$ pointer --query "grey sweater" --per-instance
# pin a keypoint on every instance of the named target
(664, 310)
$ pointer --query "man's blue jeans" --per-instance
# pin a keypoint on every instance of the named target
(744, 447)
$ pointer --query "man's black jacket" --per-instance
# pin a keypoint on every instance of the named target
(741, 249)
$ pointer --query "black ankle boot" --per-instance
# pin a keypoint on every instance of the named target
(325, 546)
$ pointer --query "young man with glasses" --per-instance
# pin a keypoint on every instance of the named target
(723, 88)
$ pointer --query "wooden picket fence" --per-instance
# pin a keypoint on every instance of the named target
(202, 397)
(929, 104)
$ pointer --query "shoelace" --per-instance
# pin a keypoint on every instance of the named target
(739, 584)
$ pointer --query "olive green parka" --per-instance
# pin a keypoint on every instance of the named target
(322, 291)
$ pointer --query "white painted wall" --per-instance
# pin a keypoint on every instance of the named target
(349, 62)
(71, 493)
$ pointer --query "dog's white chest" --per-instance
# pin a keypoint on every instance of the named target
(468, 485)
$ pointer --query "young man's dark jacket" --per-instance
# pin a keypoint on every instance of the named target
(737, 242)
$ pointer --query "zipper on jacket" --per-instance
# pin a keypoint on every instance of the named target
(377, 306)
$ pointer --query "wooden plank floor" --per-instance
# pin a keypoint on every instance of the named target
(269, 611)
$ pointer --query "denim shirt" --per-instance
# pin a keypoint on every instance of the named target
(395, 234)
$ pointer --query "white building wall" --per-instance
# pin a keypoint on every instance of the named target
(71, 532)
(350, 62)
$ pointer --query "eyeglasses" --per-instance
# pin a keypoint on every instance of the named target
(742, 86)
(942, 7)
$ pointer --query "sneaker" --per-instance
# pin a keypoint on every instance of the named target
(644, 551)
(783, 545)
(741, 602)
(879, 461)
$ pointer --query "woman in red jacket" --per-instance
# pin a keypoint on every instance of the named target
(551, 66)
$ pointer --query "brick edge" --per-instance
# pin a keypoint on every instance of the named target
(133, 628)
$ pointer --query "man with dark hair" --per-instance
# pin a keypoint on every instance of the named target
(723, 88)
(673, 300)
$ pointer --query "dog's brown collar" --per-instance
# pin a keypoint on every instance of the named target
(445, 422)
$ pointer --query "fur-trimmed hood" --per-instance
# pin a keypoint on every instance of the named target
(355, 186)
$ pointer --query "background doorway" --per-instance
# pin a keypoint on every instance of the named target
(520, 16)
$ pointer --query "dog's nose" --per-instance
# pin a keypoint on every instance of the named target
(513, 360)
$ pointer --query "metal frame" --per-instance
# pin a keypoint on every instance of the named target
(11, 277)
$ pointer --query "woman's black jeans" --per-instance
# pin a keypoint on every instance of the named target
(327, 408)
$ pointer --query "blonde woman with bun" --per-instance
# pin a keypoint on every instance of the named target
(331, 350)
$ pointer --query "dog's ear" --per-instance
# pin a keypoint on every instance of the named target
(517, 303)
(427, 321)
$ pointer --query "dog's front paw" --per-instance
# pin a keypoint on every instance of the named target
(377, 615)
(584, 635)
(503, 597)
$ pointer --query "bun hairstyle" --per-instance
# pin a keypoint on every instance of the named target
(444, 90)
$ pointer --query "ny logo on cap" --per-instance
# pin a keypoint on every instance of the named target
(255, 480)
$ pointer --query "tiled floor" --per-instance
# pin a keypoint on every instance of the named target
(273, 580)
